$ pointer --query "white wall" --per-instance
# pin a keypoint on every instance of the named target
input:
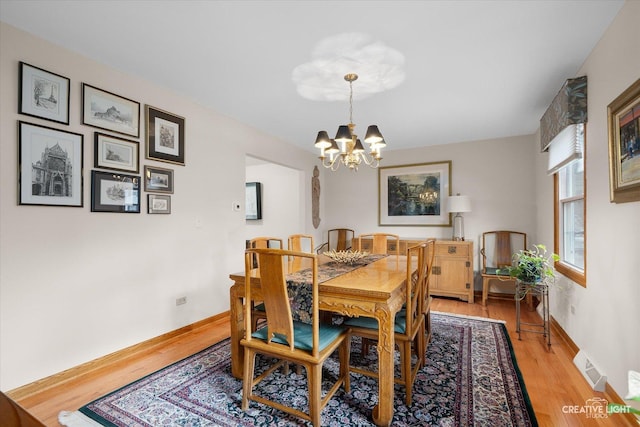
(283, 210)
(77, 285)
(607, 313)
(498, 176)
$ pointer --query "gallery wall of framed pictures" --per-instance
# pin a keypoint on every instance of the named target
(51, 160)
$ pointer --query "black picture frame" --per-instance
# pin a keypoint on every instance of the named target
(115, 153)
(158, 180)
(50, 169)
(105, 110)
(165, 136)
(113, 192)
(53, 105)
(253, 200)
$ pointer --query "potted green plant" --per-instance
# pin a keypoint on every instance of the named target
(532, 266)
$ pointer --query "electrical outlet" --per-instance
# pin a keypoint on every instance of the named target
(181, 300)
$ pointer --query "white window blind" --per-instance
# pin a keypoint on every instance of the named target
(566, 147)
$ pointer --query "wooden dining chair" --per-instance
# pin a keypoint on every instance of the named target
(498, 249)
(381, 243)
(300, 243)
(290, 340)
(409, 325)
(426, 266)
(338, 239)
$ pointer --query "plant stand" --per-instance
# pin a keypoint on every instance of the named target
(541, 290)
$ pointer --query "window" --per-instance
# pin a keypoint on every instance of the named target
(569, 213)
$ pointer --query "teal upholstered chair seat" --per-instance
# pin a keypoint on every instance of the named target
(400, 326)
(303, 335)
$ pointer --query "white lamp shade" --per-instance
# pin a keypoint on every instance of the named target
(459, 204)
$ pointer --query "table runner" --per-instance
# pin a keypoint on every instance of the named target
(299, 284)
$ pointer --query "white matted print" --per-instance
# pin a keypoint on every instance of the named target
(116, 153)
(158, 204)
(51, 164)
(43, 94)
(165, 136)
(106, 110)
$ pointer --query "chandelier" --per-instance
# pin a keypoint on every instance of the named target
(351, 152)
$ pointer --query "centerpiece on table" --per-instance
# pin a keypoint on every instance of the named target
(345, 257)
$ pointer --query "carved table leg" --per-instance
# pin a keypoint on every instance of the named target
(383, 412)
(237, 330)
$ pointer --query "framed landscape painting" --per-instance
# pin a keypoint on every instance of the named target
(414, 194)
(165, 136)
(50, 166)
(116, 153)
(43, 94)
(106, 110)
(113, 192)
(624, 145)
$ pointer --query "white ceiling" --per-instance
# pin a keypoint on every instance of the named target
(472, 69)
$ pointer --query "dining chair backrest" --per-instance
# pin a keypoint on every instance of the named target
(498, 250)
(300, 243)
(264, 242)
(271, 267)
(429, 254)
(340, 239)
(416, 278)
(380, 243)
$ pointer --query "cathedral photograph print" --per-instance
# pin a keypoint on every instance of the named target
(50, 166)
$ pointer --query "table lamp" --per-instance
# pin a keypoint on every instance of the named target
(457, 205)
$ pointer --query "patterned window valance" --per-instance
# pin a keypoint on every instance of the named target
(568, 107)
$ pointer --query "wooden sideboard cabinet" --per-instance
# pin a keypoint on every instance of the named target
(452, 266)
(391, 245)
(452, 274)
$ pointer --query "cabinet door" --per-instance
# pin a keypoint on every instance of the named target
(453, 274)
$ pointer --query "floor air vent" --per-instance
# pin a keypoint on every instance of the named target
(590, 372)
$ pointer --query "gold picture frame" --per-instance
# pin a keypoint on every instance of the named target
(623, 115)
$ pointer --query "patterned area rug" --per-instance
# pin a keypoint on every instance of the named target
(471, 379)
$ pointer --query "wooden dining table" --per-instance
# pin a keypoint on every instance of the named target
(375, 290)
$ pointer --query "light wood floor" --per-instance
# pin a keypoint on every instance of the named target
(549, 374)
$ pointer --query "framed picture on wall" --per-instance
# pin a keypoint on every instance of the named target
(253, 200)
(158, 180)
(106, 110)
(165, 136)
(624, 145)
(113, 192)
(415, 194)
(116, 153)
(158, 204)
(43, 94)
(50, 164)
